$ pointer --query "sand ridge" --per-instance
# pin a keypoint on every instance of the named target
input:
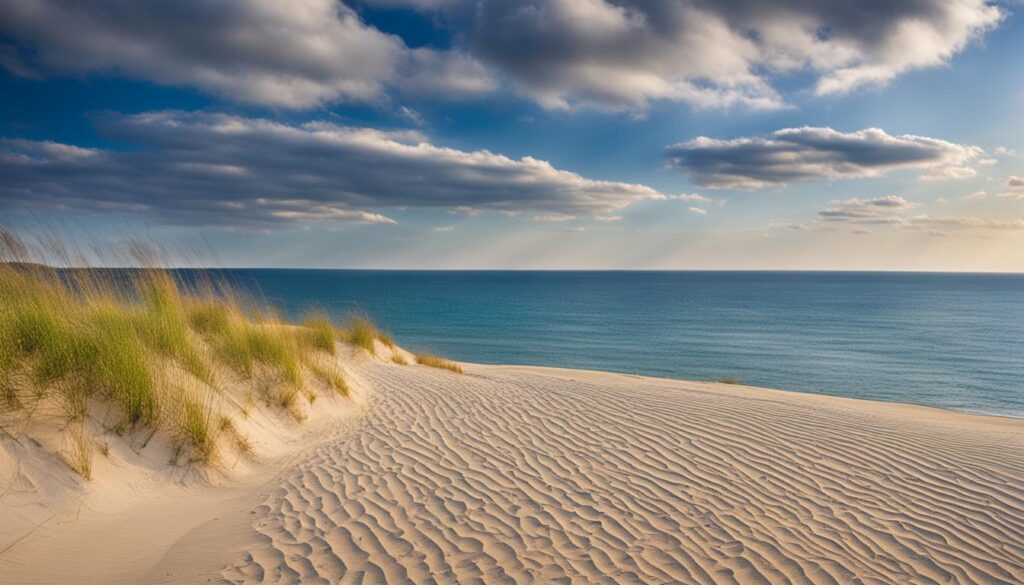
(532, 475)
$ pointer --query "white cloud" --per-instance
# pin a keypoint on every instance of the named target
(690, 197)
(294, 54)
(622, 54)
(977, 195)
(411, 115)
(697, 210)
(553, 218)
(1016, 188)
(442, 229)
(800, 154)
(216, 169)
(865, 209)
(891, 211)
(612, 54)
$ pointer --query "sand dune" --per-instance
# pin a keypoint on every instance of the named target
(519, 475)
(531, 475)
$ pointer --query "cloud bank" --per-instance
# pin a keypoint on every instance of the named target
(801, 154)
(217, 169)
(560, 53)
(710, 53)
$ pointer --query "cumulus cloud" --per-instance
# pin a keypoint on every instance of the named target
(697, 210)
(217, 169)
(624, 53)
(293, 54)
(1015, 183)
(800, 154)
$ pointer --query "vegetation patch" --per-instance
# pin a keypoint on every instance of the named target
(436, 362)
(144, 349)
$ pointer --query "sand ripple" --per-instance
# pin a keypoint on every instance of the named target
(524, 475)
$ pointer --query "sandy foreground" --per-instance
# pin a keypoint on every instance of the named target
(535, 475)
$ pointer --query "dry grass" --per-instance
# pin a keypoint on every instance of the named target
(79, 453)
(331, 375)
(319, 333)
(144, 348)
(362, 332)
(399, 359)
(436, 362)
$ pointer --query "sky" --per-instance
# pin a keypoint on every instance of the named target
(523, 134)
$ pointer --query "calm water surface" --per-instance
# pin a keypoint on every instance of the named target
(949, 340)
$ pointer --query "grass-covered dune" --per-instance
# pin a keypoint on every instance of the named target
(94, 353)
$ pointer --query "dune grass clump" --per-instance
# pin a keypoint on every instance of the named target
(163, 323)
(79, 453)
(245, 345)
(133, 349)
(362, 332)
(330, 375)
(194, 429)
(319, 333)
(399, 359)
(436, 362)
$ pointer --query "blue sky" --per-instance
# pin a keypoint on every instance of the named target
(540, 134)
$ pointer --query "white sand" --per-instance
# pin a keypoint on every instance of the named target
(532, 475)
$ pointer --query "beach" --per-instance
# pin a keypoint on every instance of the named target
(513, 474)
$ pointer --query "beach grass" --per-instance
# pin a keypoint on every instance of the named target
(436, 362)
(126, 350)
(329, 374)
(320, 333)
(78, 455)
(362, 332)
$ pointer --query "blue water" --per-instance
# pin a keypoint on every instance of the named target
(949, 340)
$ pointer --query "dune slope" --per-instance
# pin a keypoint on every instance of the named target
(523, 475)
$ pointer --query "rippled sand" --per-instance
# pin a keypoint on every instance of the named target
(521, 475)
(531, 475)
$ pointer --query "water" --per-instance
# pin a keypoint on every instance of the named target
(948, 340)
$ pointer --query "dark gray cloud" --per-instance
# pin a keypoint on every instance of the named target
(623, 53)
(799, 154)
(215, 169)
(295, 54)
